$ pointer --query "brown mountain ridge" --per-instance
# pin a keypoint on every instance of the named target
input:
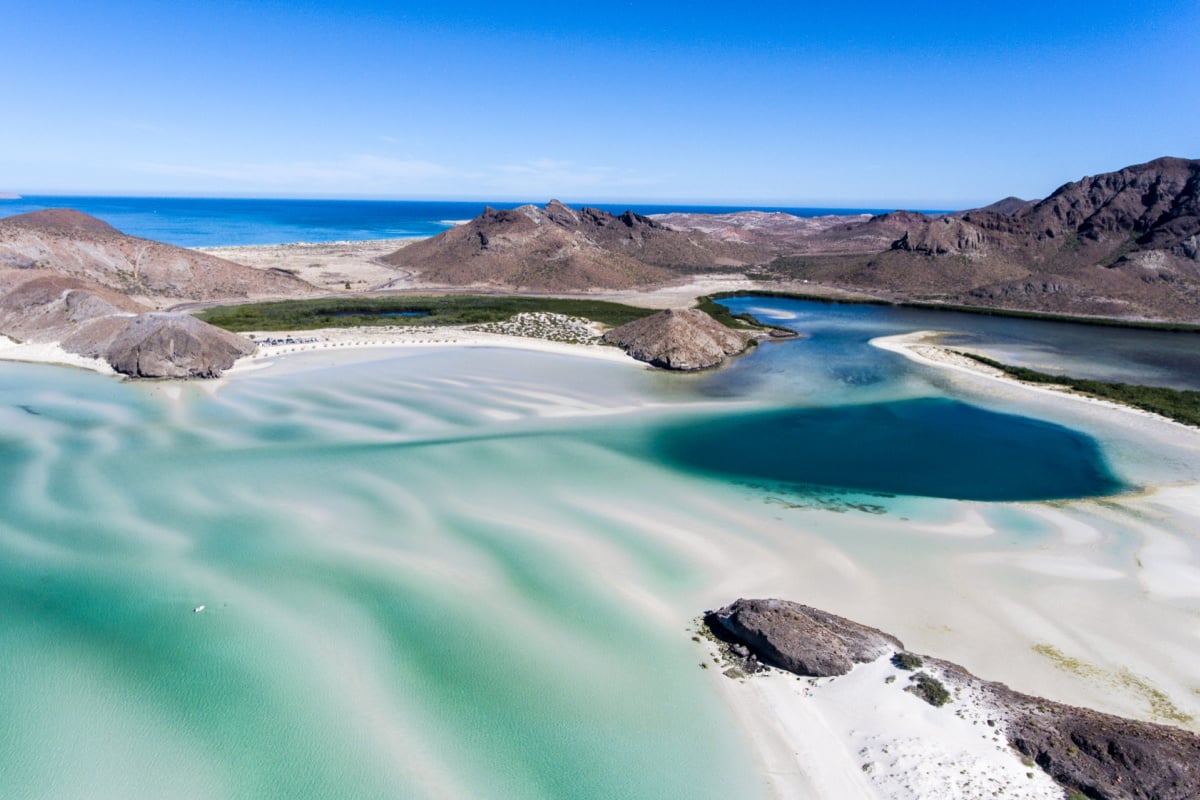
(1123, 244)
(559, 248)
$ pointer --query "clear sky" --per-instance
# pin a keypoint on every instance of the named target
(926, 105)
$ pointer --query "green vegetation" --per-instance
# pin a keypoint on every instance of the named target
(349, 312)
(727, 318)
(908, 661)
(1161, 706)
(1181, 405)
(929, 689)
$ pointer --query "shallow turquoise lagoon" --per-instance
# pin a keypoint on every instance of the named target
(456, 573)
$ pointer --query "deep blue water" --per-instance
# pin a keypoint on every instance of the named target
(212, 222)
(929, 447)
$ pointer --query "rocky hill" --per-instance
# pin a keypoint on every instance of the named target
(68, 242)
(74, 280)
(1122, 244)
(680, 339)
(559, 248)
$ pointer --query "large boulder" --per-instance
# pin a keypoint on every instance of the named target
(682, 339)
(802, 639)
(161, 345)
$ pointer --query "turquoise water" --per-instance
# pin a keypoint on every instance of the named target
(468, 572)
(369, 631)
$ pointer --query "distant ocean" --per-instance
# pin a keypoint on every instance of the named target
(213, 222)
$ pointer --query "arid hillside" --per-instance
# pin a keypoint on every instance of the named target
(73, 280)
(1122, 244)
(68, 242)
(558, 248)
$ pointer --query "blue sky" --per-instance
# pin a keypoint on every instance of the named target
(873, 104)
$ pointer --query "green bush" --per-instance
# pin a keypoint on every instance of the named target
(908, 661)
(929, 689)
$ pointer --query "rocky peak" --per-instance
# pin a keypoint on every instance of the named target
(561, 214)
(1157, 201)
(942, 236)
(681, 339)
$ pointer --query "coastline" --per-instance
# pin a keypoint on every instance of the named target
(50, 353)
(337, 341)
(809, 737)
(920, 348)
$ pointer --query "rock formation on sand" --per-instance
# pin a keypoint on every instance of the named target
(681, 339)
(1097, 755)
(74, 280)
(162, 345)
(558, 248)
(89, 320)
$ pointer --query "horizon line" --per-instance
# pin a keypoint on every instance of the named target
(839, 205)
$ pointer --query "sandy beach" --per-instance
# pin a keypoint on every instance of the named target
(922, 348)
(50, 353)
(275, 347)
(335, 266)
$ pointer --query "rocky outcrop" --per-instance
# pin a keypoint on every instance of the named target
(90, 320)
(160, 345)
(801, 639)
(941, 237)
(70, 278)
(680, 339)
(1099, 756)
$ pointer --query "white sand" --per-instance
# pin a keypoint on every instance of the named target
(342, 339)
(49, 353)
(858, 736)
(921, 347)
(335, 266)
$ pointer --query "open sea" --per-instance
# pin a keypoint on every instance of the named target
(475, 572)
(213, 222)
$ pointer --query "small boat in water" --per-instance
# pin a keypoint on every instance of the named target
(197, 609)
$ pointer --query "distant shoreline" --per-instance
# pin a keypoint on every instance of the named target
(921, 347)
